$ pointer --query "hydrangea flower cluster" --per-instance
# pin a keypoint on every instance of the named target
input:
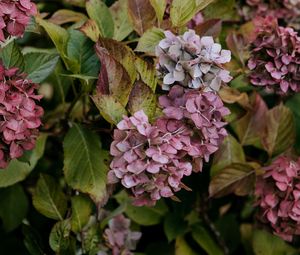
(119, 238)
(278, 197)
(151, 160)
(20, 116)
(14, 17)
(192, 61)
(286, 10)
(275, 57)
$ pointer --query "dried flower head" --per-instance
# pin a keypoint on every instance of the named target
(119, 238)
(192, 61)
(275, 57)
(20, 116)
(278, 197)
(14, 17)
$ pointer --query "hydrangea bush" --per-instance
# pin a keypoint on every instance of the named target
(149, 127)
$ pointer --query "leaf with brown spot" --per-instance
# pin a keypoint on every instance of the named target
(91, 30)
(147, 72)
(141, 14)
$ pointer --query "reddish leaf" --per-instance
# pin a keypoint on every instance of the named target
(210, 27)
(238, 46)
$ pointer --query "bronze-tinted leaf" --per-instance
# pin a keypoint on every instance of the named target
(236, 43)
(64, 16)
(141, 14)
(231, 96)
(210, 27)
(91, 30)
(237, 178)
(280, 130)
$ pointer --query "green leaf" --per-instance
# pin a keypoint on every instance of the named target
(280, 130)
(182, 11)
(207, 243)
(110, 108)
(159, 7)
(11, 56)
(39, 66)
(13, 206)
(32, 240)
(119, 13)
(17, 171)
(236, 178)
(80, 51)
(142, 98)
(221, 9)
(182, 248)
(149, 40)
(174, 226)
(59, 238)
(98, 11)
(230, 151)
(265, 243)
(201, 4)
(141, 14)
(49, 199)
(81, 210)
(146, 216)
(147, 72)
(84, 162)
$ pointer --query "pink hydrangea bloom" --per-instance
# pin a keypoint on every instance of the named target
(20, 115)
(192, 61)
(119, 238)
(14, 17)
(275, 57)
(278, 197)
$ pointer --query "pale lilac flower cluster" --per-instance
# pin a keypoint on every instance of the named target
(14, 17)
(278, 197)
(192, 61)
(275, 57)
(119, 238)
(20, 116)
(151, 160)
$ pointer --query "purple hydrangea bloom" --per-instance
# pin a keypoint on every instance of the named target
(192, 61)
(275, 57)
(278, 197)
(119, 238)
(20, 115)
(14, 17)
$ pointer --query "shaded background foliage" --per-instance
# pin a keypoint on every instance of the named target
(52, 199)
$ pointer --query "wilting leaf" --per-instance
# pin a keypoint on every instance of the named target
(251, 126)
(182, 247)
(63, 16)
(83, 154)
(38, 66)
(119, 82)
(49, 199)
(150, 40)
(147, 72)
(182, 11)
(230, 96)
(123, 26)
(265, 243)
(17, 171)
(207, 243)
(13, 206)
(141, 14)
(159, 7)
(122, 53)
(142, 98)
(236, 178)
(280, 130)
(109, 107)
(11, 56)
(91, 30)
(99, 12)
(235, 42)
(81, 211)
(229, 152)
(210, 27)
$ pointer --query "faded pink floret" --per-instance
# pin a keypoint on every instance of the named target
(192, 61)
(14, 17)
(20, 116)
(151, 159)
(275, 57)
(119, 238)
(278, 197)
